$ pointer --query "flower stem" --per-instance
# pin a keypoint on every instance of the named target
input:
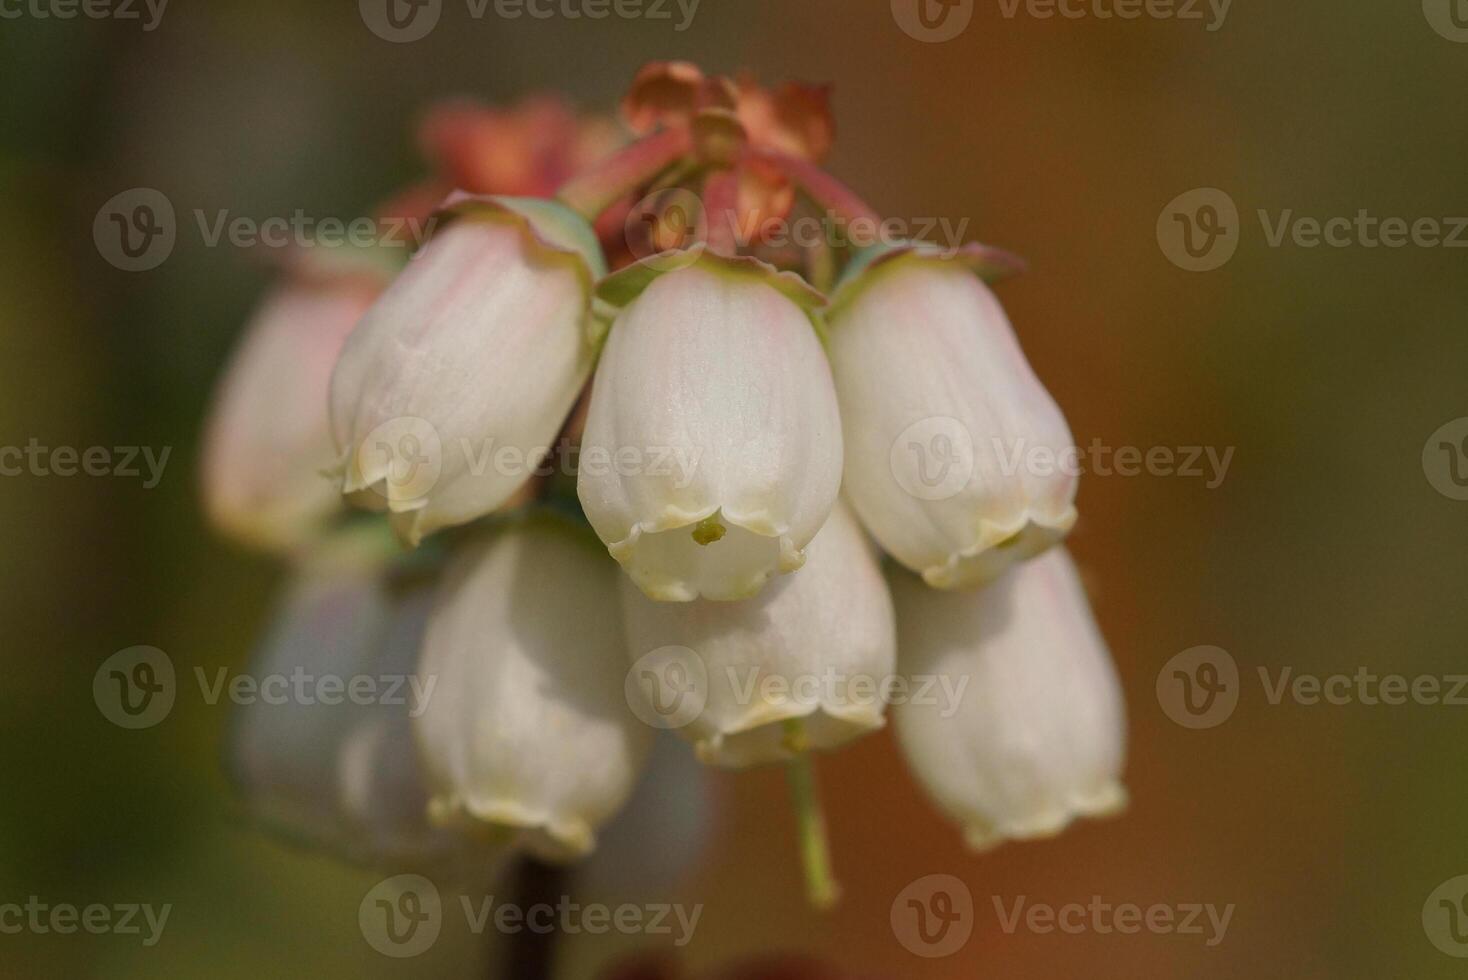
(821, 888)
(599, 188)
(824, 189)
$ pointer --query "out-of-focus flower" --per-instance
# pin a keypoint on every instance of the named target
(525, 150)
(335, 767)
(818, 646)
(1039, 737)
(713, 378)
(479, 347)
(957, 458)
(528, 730)
(267, 445)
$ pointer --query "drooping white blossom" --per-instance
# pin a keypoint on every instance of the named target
(957, 459)
(528, 730)
(320, 741)
(1039, 734)
(712, 452)
(816, 647)
(452, 389)
(267, 444)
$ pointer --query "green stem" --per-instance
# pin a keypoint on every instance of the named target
(821, 888)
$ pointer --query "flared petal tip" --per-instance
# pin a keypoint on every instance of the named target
(1106, 800)
(762, 736)
(510, 823)
(671, 559)
(999, 546)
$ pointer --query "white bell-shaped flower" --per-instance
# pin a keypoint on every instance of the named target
(452, 389)
(1037, 735)
(321, 742)
(817, 646)
(712, 451)
(268, 445)
(528, 729)
(957, 459)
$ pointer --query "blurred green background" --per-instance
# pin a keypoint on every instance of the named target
(1326, 549)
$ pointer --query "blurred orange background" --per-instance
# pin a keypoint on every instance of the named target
(1326, 549)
